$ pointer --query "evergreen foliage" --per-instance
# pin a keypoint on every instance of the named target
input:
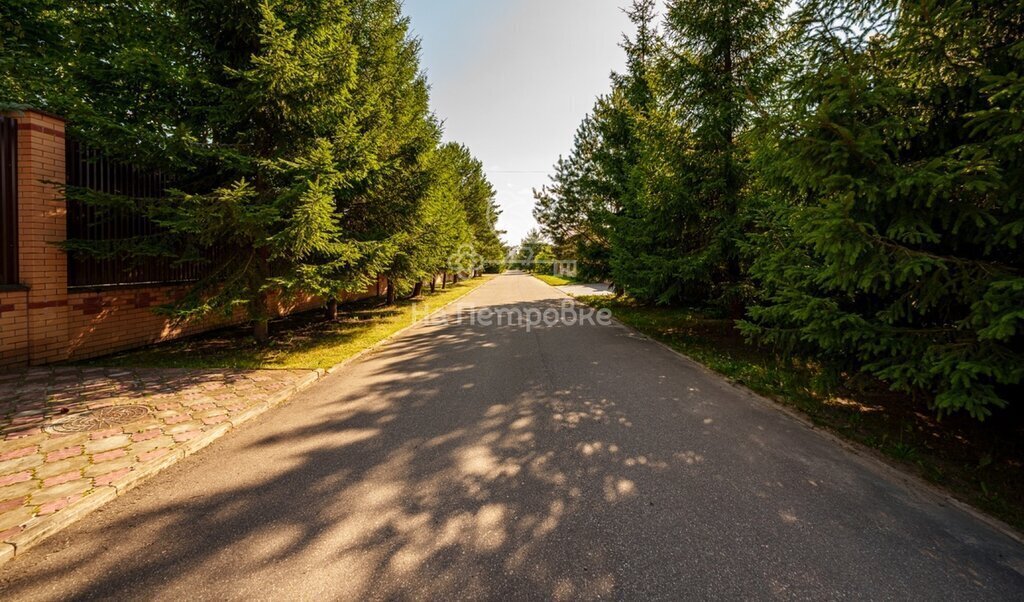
(574, 211)
(298, 136)
(533, 254)
(899, 251)
(852, 172)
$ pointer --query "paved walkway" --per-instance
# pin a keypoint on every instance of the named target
(523, 462)
(72, 439)
(583, 290)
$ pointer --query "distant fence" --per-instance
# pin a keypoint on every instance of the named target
(89, 169)
(8, 201)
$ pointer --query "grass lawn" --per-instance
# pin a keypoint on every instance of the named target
(980, 463)
(554, 280)
(302, 341)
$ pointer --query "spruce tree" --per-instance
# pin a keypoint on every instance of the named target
(594, 202)
(899, 249)
(398, 132)
(443, 230)
(621, 120)
(477, 198)
(530, 249)
(574, 211)
(121, 73)
(297, 138)
(717, 66)
(280, 134)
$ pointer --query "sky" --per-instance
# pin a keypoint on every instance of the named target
(512, 79)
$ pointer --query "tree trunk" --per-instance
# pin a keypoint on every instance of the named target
(417, 290)
(391, 292)
(331, 311)
(455, 278)
(261, 330)
(260, 316)
(259, 311)
(444, 280)
(433, 283)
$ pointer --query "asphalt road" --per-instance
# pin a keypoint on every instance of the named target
(498, 462)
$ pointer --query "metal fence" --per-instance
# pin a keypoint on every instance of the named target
(89, 169)
(8, 201)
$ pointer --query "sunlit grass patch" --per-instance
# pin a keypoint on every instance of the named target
(304, 341)
(554, 280)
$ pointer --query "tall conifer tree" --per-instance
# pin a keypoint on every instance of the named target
(718, 65)
(900, 252)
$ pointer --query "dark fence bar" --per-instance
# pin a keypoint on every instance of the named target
(8, 201)
(88, 169)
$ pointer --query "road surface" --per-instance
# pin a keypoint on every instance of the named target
(583, 290)
(504, 462)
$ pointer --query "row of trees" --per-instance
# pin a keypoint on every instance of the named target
(847, 180)
(298, 136)
(532, 254)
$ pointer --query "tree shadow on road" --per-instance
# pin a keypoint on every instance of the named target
(461, 461)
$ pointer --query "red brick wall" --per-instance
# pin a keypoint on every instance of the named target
(13, 327)
(48, 323)
(116, 319)
(42, 266)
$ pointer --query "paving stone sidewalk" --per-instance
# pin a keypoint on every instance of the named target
(72, 439)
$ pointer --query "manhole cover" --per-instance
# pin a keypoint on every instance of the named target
(97, 420)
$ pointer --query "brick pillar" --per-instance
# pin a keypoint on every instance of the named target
(42, 221)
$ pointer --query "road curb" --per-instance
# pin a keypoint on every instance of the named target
(43, 527)
(908, 480)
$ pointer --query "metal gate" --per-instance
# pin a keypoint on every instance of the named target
(8, 201)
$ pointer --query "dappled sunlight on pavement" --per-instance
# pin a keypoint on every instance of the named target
(463, 462)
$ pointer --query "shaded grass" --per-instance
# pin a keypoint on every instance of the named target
(302, 341)
(554, 280)
(979, 463)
